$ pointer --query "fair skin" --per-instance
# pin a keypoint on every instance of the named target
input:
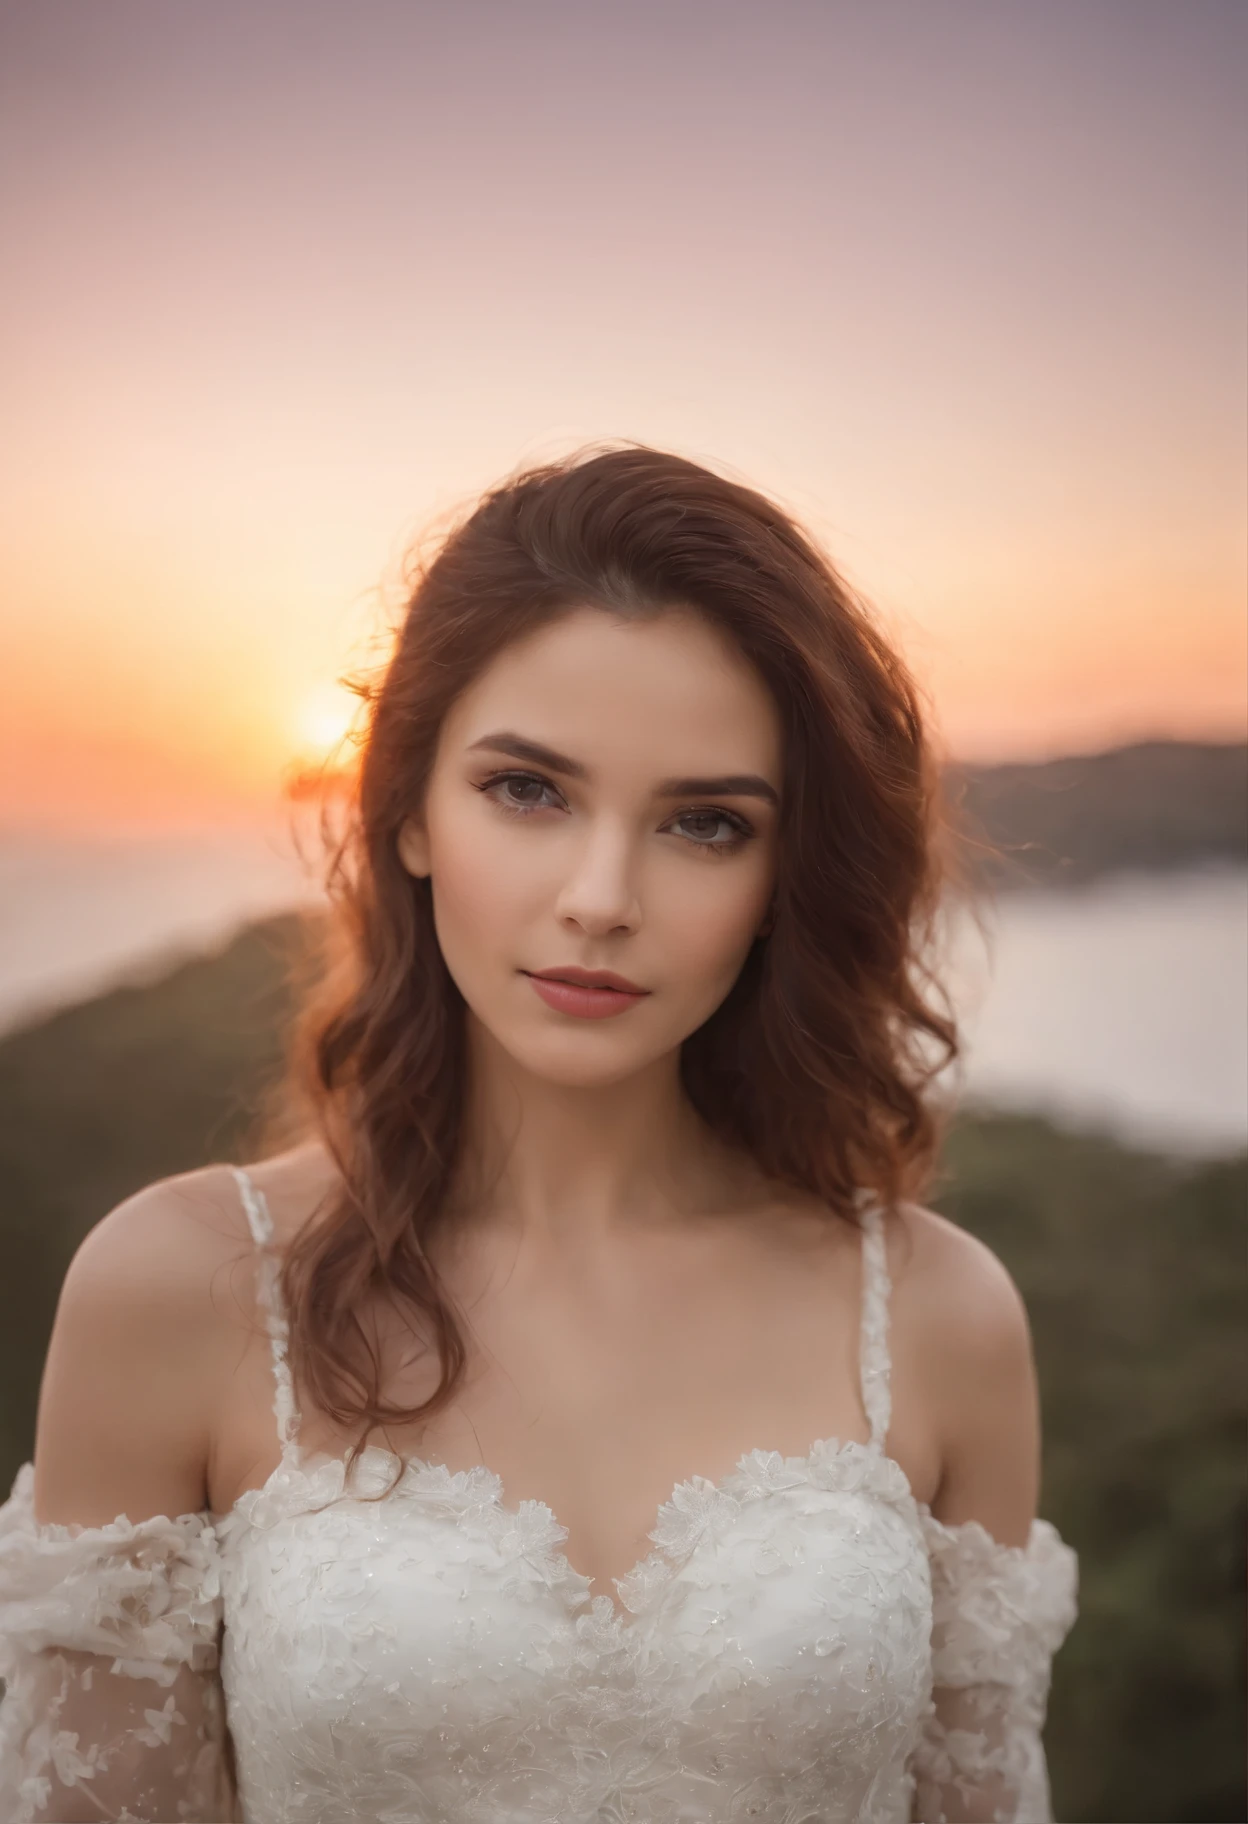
(639, 1304)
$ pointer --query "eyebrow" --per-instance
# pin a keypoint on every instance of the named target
(728, 785)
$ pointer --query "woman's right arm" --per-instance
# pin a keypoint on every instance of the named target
(110, 1598)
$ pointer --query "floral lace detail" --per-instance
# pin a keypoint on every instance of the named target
(771, 1662)
(999, 1614)
(268, 1269)
(108, 1646)
(696, 1505)
(874, 1364)
(103, 1594)
(984, 1592)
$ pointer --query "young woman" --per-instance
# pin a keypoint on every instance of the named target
(583, 1421)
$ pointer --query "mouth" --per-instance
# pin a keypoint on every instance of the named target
(587, 994)
(587, 978)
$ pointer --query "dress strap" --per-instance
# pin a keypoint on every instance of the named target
(873, 1357)
(261, 1223)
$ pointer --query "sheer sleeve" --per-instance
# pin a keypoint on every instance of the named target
(999, 1614)
(109, 1639)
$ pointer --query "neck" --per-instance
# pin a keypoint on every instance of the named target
(570, 1160)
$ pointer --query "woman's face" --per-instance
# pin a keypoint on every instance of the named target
(603, 798)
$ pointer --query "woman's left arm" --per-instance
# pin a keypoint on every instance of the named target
(1004, 1584)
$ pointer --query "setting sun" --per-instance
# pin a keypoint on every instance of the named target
(324, 720)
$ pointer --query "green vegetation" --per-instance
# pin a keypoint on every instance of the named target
(1134, 1274)
(1132, 1267)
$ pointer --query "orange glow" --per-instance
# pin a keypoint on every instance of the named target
(324, 720)
(980, 324)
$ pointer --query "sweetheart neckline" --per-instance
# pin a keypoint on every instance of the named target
(892, 1479)
(679, 1521)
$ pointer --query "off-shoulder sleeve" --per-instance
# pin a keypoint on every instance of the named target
(999, 1614)
(109, 1651)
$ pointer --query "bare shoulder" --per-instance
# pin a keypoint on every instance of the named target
(160, 1240)
(962, 1336)
(155, 1310)
(953, 1286)
(153, 1246)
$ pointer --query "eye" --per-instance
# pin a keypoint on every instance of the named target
(714, 831)
(518, 793)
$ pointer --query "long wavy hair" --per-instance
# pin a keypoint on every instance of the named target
(820, 1060)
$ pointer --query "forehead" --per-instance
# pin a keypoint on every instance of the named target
(667, 693)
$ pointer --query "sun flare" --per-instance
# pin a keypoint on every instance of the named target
(324, 719)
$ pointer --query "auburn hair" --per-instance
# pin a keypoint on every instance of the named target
(819, 1061)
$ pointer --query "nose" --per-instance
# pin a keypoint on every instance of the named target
(599, 894)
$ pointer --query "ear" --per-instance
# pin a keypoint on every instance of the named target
(413, 849)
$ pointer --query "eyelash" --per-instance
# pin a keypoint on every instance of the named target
(744, 831)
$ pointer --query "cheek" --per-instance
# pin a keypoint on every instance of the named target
(483, 890)
(708, 924)
(473, 887)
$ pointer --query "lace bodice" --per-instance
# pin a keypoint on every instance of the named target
(806, 1644)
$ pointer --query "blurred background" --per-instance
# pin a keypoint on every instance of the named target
(963, 285)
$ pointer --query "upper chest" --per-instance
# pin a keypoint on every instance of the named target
(597, 1386)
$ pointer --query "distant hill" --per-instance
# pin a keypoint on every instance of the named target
(1160, 805)
(1131, 1266)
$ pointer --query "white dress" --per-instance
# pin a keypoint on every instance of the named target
(805, 1644)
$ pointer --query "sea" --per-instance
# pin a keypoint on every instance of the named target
(1120, 1005)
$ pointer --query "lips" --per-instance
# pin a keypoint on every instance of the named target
(586, 994)
(588, 978)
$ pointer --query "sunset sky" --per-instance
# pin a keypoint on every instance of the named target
(960, 281)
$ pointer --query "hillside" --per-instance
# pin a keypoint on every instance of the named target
(1131, 1265)
(1159, 805)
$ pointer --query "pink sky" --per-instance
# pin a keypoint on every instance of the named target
(963, 285)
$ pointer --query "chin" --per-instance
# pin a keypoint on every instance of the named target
(582, 1058)
(580, 1066)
